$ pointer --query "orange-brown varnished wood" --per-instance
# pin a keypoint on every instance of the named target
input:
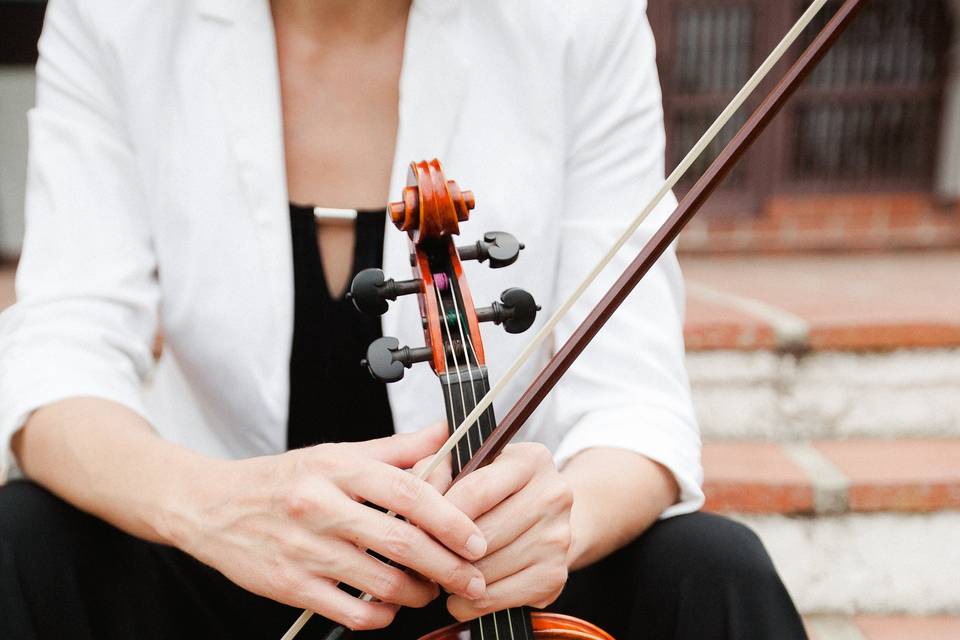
(432, 206)
(429, 310)
(468, 311)
(546, 626)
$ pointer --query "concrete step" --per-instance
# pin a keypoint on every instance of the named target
(883, 627)
(853, 526)
(801, 347)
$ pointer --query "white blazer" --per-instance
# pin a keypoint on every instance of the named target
(157, 195)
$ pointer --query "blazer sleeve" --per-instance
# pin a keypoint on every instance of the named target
(629, 388)
(87, 293)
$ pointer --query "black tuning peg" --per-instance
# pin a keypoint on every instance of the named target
(499, 247)
(386, 359)
(370, 291)
(516, 311)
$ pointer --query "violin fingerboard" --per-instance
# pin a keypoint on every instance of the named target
(461, 390)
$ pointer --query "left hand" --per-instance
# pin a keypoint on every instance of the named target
(522, 505)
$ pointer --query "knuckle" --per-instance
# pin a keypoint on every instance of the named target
(388, 585)
(319, 458)
(360, 618)
(406, 491)
(457, 577)
(561, 495)
(300, 501)
(285, 582)
(398, 541)
(539, 453)
(557, 537)
(555, 577)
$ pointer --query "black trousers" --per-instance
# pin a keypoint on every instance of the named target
(66, 574)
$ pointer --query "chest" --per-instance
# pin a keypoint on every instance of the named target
(340, 114)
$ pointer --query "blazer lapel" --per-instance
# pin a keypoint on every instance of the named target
(243, 71)
(433, 83)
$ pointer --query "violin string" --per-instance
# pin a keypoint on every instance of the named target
(463, 404)
(668, 184)
(471, 354)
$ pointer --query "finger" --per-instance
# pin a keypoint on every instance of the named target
(406, 544)
(439, 478)
(536, 586)
(404, 450)
(420, 504)
(386, 583)
(509, 520)
(542, 543)
(488, 486)
(324, 598)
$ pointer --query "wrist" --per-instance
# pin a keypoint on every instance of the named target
(189, 494)
(582, 536)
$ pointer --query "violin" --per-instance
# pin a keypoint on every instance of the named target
(430, 213)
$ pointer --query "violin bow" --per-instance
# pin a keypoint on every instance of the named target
(658, 243)
(651, 251)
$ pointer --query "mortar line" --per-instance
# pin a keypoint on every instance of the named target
(790, 330)
(830, 485)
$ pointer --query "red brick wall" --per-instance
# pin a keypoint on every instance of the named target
(830, 222)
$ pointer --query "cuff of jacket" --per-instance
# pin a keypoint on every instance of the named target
(653, 432)
(27, 387)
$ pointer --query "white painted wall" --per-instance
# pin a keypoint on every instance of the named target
(17, 85)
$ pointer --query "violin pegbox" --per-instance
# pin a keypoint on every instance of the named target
(430, 212)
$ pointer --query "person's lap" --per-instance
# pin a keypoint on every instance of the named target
(64, 573)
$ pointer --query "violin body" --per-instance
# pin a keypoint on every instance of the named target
(546, 626)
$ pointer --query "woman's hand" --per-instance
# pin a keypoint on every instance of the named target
(522, 505)
(290, 526)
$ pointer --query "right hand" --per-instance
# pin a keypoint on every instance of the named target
(290, 526)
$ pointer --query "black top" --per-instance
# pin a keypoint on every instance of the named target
(333, 398)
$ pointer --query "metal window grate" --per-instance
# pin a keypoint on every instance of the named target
(868, 118)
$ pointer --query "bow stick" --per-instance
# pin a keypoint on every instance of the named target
(651, 251)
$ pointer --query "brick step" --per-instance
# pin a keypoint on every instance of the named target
(853, 526)
(883, 627)
(833, 477)
(817, 302)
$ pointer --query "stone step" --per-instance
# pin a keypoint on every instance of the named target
(883, 627)
(764, 395)
(801, 347)
(866, 563)
(853, 526)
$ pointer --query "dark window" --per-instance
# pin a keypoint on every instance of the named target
(20, 22)
(867, 119)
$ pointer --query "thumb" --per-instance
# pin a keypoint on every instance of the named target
(404, 450)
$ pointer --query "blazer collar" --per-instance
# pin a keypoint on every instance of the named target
(243, 70)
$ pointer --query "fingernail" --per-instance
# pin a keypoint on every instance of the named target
(476, 546)
(476, 587)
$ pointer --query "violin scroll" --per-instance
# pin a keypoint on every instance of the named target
(430, 212)
(432, 206)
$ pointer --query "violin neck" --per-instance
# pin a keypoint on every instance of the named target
(462, 388)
